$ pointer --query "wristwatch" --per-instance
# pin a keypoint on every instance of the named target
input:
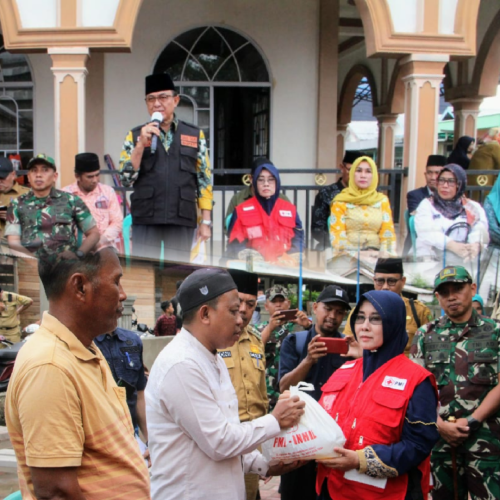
(207, 222)
(473, 424)
(79, 254)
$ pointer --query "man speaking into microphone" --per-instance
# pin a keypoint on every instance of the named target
(166, 161)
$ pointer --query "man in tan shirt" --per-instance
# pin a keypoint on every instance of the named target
(11, 306)
(246, 364)
(9, 189)
(67, 419)
(389, 276)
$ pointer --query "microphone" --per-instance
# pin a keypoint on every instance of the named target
(157, 118)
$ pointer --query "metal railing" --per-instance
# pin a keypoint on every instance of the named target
(302, 195)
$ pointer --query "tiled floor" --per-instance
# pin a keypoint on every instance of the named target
(269, 491)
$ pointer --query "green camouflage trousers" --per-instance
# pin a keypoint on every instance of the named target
(477, 476)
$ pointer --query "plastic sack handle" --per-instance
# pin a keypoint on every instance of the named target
(305, 386)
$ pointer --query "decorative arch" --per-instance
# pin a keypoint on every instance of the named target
(348, 91)
(381, 38)
(117, 37)
(396, 92)
(487, 66)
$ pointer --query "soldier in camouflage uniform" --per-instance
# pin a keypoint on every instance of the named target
(461, 349)
(273, 333)
(44, 220)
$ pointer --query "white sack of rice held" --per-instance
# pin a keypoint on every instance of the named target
(314, 438)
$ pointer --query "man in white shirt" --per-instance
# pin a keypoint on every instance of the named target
(198, 446)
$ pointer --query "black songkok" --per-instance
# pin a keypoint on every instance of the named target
(159, 82)
(436, 161)
(389, 266)
(351, 156)
(245, 282)
(86, 162)
(203, 286)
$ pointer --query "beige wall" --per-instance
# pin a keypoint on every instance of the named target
(285, 30)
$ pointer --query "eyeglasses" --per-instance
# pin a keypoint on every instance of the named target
(373, 320)
(390, 281)
(266, 180)
(151, 99)
(450, 182)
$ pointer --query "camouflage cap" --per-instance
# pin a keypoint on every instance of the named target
(42, 158)
(276, 291)
(452, 274)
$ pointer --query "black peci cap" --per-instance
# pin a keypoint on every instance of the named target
(159, 82)
(202, 286)
(245, 282)
(86, 162)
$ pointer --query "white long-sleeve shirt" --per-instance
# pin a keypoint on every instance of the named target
(199, 448)
(431, 226)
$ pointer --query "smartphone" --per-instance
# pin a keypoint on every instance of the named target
(289, 314)
(335, 346)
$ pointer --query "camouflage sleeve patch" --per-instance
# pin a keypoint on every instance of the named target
(13, 227)
(204, 174)
(417, 353)
(83, 217)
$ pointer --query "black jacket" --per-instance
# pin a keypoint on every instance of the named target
(413, 198)
(166, 190)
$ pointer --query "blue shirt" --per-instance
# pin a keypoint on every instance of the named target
(320, 372)
(123, 352)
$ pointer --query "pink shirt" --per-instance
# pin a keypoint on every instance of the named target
(106, 210)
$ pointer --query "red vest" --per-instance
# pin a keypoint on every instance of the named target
(271, 235)
(371, 412)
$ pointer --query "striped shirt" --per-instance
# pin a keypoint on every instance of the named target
(63, 409)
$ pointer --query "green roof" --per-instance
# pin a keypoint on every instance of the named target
(483, 122)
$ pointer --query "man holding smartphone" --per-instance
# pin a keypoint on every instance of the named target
(274, 331)
(304, 358)
(9, 190)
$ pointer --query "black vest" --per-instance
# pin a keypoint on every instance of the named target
(167, 188)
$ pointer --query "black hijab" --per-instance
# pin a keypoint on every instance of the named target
(459, 155)
(451, 209)
(267, 204)
(392, 310)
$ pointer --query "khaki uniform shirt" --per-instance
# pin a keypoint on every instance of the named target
(423, 314)
(5, 199)
(11, 301)
(246, 364)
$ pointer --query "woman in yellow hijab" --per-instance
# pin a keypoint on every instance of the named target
(361, 217)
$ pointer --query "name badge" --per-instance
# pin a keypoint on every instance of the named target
(255, 355)
(225, 354)
(247, 209)
(286, 213)
(189, 140)
(394, 383)
(350, 365)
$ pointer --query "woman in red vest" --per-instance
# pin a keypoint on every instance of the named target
(386, 406)
(266, 224)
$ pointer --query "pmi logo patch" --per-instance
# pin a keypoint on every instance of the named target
(394, 383)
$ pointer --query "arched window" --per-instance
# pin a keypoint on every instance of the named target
(16, 105)
(225, 85)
